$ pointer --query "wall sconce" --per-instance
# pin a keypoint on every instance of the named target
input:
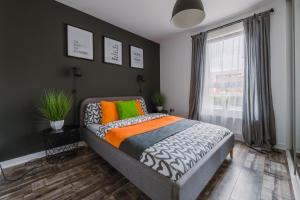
(140, 80)
(76, 73)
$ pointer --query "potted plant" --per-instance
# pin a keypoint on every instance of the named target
(158, 100)
(55, 106)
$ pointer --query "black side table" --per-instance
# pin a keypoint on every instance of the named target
(61, 143)
(169, 112)
(165, 111)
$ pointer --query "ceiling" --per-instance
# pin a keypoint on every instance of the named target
(151, 18)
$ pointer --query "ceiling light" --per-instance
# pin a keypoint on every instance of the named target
(187, 13)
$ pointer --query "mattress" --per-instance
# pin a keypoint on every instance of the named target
(178, 151)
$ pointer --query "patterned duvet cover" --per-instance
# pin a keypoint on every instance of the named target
(174, 154)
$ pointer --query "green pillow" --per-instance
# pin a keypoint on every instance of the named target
(127, 109)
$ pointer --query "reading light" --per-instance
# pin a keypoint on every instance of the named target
(140, 79)
(76, 73)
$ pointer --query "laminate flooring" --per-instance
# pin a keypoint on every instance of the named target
(249, 176)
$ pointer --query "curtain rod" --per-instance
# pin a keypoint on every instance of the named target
(237, 21)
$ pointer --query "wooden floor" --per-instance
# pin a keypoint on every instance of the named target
(250, 175)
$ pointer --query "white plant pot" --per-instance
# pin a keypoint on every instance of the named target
(159, 108)
(57, 125)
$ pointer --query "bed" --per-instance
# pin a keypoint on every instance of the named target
(153, 179)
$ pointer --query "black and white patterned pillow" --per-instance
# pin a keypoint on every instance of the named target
(143, 104)
(92, 114)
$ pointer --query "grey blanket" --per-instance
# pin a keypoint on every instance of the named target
(135, 146)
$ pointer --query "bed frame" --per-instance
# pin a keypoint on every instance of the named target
(155, 185)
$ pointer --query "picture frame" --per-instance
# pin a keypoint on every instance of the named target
(136, 57)
(80, 43)
(113, 51)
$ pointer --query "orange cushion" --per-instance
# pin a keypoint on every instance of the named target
(109, 112)
(139, 107)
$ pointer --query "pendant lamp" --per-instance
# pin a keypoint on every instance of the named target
(187, 13)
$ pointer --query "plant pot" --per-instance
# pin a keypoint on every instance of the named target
(159, 108)
(57, 125)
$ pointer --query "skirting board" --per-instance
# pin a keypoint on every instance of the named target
(27, 158)
(280, 147)
(294, 177)
(239, 137)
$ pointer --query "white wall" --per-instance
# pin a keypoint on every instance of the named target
(176, 68)
(175, 72)
(297, 74)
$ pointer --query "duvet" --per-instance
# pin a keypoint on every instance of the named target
(169, 145)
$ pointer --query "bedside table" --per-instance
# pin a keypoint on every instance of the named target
(165, 111)
(169, 112)
(61, 143)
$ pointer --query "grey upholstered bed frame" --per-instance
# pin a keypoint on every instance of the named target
(155, 185)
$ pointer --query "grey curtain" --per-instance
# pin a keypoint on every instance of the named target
(258, 113)
(197, 74)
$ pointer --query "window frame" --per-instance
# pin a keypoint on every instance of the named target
(215, 107)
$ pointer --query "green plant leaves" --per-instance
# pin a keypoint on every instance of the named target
(158, 99)
(55, 105)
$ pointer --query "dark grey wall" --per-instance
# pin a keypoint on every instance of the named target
(33, 58)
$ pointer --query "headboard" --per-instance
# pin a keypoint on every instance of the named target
(98, 99)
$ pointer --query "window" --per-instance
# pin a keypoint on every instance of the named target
(224, 77)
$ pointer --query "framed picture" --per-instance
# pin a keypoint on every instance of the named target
(112, 51)
(80, 43)
(136, 57)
